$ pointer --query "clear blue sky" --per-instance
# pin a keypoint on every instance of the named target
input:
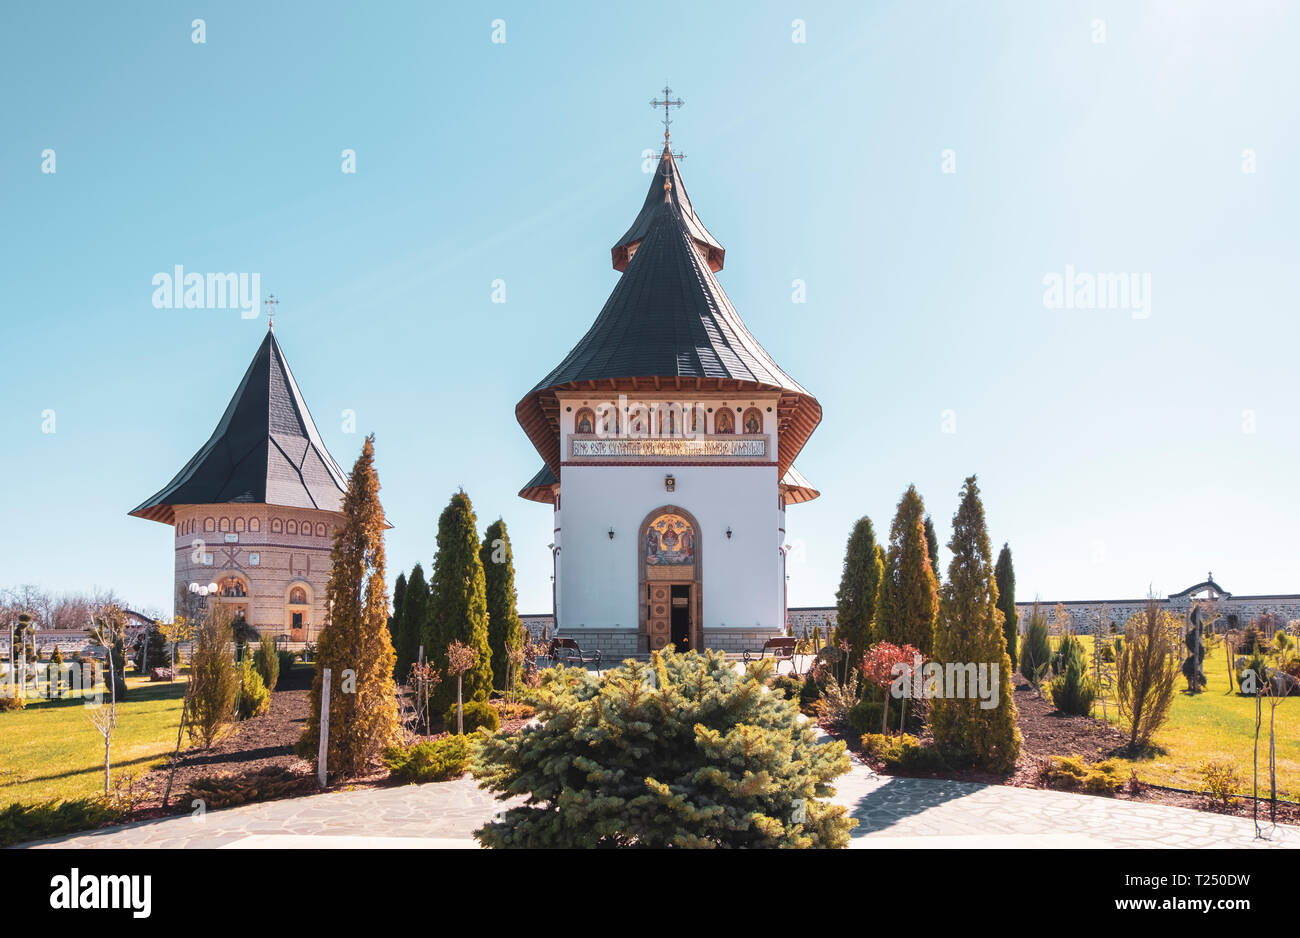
(1110, 449)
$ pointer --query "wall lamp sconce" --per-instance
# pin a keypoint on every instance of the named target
(670, 484)
(728, 532)
(611, 534)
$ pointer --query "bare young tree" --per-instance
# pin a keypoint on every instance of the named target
(109, 630)
(104, 717)
(1147, 671)
(424, 679)
(460, 658)
(1101, 667)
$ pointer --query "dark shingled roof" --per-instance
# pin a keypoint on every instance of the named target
(622, 251)
(538, 488)
(265, 450)
(668, 323)
(668, 317)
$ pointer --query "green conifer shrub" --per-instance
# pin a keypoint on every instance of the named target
(969, 631)
(859, 590)
(214, 685)
(1035, 648)
(504, 628)
(1073, 691)
(355, 644)
(908, 600)
(477, 713)
(254, 698)
(267, 661)
(680, 751)
(458, 603)
(1005, 574)
(413, 622)
(435, 761)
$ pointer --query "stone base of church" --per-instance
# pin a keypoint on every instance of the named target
(616, 644)
(613, 644)
(734, 641)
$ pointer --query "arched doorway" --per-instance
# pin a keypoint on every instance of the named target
(670, 597)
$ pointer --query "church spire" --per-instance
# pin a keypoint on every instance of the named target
(667, 189)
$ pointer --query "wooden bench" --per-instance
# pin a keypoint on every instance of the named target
(781, 649)
(567, 651)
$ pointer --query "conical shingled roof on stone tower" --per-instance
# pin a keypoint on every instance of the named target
(265, 450)
(668, 325)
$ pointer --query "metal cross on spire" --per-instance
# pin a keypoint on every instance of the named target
(271, 303)
(666, 103)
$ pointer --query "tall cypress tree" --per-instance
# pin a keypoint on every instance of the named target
(458, 603)
(355, 644)
(415, 618)
(395, 624)
(932, 544)
(969, 631)
(504, 627)
(1005, 574)
(909, 599)
(859, 590)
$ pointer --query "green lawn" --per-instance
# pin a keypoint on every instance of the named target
(1215, 724)
(51, 749)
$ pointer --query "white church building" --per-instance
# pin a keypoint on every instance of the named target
(669, 437)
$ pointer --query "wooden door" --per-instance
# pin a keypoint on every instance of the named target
(658, 615)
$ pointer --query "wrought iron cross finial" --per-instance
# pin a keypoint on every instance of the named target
(271, 303)
(666, 103)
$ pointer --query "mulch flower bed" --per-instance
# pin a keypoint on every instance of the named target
(260, 752)
(1046, 732)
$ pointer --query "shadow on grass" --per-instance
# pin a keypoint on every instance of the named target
(82, 770)
(1139, 753)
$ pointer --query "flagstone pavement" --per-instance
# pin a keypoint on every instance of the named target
(891, 812)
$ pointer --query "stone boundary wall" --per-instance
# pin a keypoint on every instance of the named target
(1085, 616)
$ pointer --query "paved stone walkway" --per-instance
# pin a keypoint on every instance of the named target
(891, 812)
(439, 814)
(914, 812)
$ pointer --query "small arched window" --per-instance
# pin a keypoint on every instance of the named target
(209, 525)
(321, 530)
(724, 421)
(276, 525)
(232, 587)
(254, 525)
(225, 525)
(291, 527)
(239, 525)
